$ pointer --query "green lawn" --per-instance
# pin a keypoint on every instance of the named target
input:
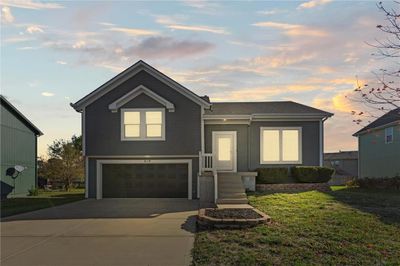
(344, 227)
(44, 200)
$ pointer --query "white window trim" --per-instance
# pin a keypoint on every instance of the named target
(214, 135)
(142, 112)
(386, 134)
(136, 92)
(300, 161)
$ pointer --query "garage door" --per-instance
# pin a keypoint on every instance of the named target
(145, 180)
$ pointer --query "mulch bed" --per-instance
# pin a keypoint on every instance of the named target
(232, 213)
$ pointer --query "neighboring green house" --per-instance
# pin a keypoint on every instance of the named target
(379, 147)
(18, 147)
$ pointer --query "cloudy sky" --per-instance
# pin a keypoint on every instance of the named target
(54, 53)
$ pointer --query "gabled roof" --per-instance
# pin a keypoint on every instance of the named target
(341, 155)
(136, 92)
(20, 116)
(130, 72)
(389, 118)
(284, 108)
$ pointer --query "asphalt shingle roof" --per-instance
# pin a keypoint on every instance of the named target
(389, 117)
(248, 108)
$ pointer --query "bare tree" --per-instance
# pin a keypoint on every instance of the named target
(384, 94)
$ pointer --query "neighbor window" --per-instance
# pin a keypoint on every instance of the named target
(280, 145)
(142, 124)
(388, 135)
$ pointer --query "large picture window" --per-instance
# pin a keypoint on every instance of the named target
(142, 124)
(280, 145)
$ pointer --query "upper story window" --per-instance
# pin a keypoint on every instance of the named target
(280, 145)
(142, 124)
(389, 135)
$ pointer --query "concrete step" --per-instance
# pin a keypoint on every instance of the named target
(229, 195)
(228, 186)
(207, 174)
(232, 201)
(231, 190)
(239, 182)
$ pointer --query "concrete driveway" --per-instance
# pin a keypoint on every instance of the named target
(102, 232)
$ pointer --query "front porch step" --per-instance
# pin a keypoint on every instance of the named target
(232, 201)
(231, 189)
(232, 196)
(231, 186)
(207, 174)
(231, 183)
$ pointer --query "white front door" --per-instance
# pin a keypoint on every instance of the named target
(224, 150)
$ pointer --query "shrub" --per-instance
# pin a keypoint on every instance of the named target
(326, 173)
(273, 175)
(33, 191)
(380, 183)
(312, 174)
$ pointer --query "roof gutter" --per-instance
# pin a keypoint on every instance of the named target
(375, 128)
(265, 116)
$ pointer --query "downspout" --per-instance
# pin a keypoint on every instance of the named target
(248, 147)
(83, 128)
(358, 158)
(202, 129)
(321, 141)
(202, 149)
(36, 162)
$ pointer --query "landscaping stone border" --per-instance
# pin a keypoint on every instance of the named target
(206, 222)
(297, 187)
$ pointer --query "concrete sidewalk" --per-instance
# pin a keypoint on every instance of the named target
(102, 232)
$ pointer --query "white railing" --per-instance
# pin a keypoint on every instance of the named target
(206, 161)
(206, 164)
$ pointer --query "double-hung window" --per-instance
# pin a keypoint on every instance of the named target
(280, 145)
(389, 135)
(142, 124)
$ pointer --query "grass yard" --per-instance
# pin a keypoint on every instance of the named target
(344, 227)
(44, 200)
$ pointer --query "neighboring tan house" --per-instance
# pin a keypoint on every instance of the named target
(145, 135)
(18, 147)
(345, 164)
(379, 147)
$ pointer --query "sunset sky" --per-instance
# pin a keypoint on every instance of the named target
(54, 53)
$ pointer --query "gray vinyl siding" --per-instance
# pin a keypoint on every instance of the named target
(376, 158)
(92, 174)
(18, 147)
(182, 131)
(242, 147)
(310, 142)
(248, 142)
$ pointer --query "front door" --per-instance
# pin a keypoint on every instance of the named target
(224, 150)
